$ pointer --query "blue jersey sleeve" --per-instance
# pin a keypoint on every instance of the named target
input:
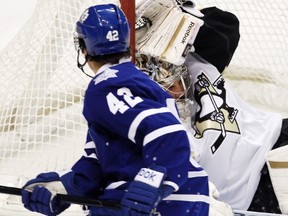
(86, 177)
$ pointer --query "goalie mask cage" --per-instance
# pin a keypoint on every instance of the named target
(41, 88)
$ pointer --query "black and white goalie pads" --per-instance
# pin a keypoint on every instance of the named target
(164, 31)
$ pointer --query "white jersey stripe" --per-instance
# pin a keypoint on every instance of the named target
(162, 131)
(194, 162)
(115, 185)
(89, 145)
(172, 184)
(90, 156)
(202, 173)
(134, 125)
(188, 198)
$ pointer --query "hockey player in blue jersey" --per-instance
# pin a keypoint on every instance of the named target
(137, 151)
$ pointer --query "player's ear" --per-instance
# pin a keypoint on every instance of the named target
(82, 46)
(84, 51)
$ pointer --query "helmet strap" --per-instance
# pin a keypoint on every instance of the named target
(79, 65)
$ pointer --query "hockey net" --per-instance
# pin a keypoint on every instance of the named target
(41, 88)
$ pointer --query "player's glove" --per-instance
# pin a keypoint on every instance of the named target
(145, 193)
(39, 194)
(218, 117)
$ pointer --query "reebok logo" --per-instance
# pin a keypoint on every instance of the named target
(150, 177)
(186, 35)
(147, 174)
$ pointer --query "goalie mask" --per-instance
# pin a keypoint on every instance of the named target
(174, 79)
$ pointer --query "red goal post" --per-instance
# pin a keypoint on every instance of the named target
(128, 7)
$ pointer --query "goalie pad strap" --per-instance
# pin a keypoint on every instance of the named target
(278, 164)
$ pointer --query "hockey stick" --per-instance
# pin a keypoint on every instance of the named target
(69, 198)
(109, 203)
(252, 213)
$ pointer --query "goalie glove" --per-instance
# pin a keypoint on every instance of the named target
(145, 192)
(39, 194)
(164, 31)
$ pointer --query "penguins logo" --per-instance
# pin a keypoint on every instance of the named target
(214, 113)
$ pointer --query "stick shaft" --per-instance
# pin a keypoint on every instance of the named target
(69, 198)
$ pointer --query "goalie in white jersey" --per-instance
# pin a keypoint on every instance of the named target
(230, 139)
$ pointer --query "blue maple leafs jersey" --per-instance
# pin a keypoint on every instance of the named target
(130, 123)
(133, 124)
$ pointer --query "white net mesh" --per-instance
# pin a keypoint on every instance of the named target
(42, 91)
(41, 94)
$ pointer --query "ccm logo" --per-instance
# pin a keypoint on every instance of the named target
(187, 32)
